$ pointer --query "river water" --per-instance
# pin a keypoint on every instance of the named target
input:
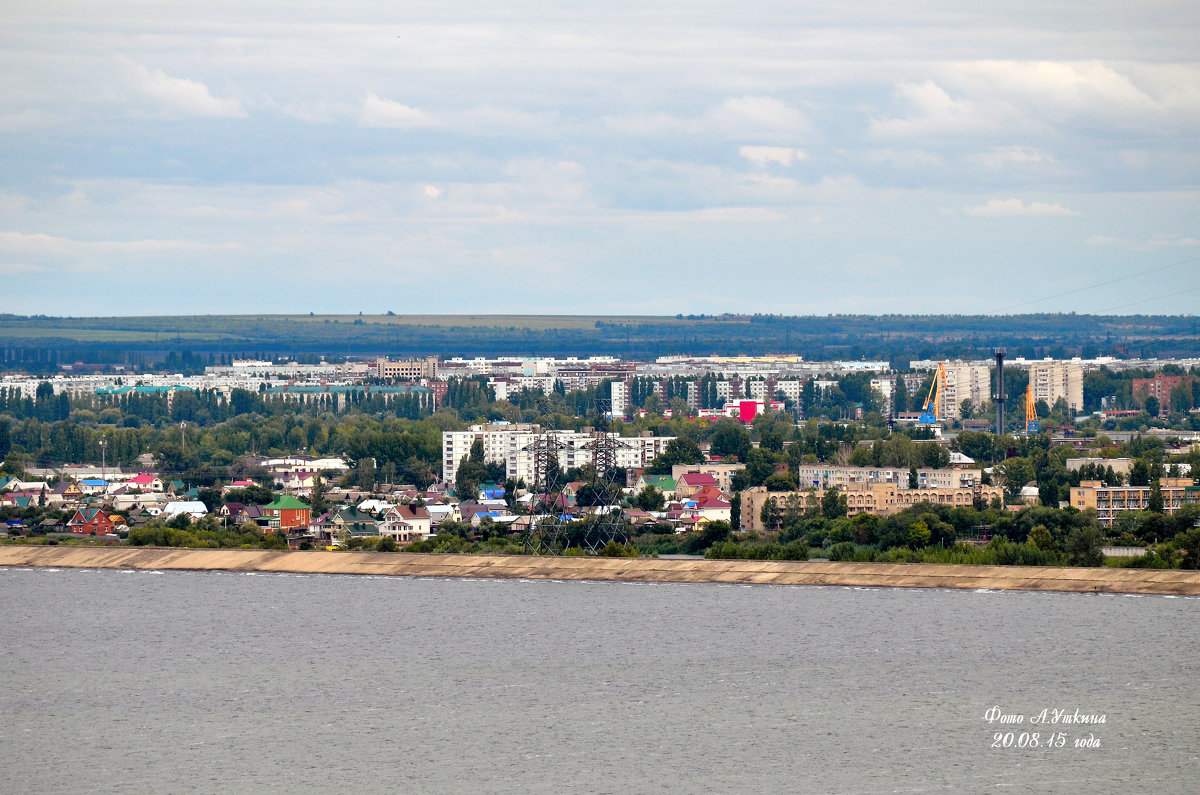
(181, 681)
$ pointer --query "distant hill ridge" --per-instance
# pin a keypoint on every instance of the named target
(897, 338)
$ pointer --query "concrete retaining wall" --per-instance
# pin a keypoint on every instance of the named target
(880, 575)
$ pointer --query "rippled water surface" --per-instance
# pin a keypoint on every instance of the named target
(139, 682)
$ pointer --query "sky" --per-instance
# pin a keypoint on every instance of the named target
(615, 158)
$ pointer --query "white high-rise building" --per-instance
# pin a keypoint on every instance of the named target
(1051, 380)
(971, 382)
(515, 447)
(620, 398)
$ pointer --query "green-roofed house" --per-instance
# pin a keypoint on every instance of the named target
(287, 513)
(355, 522)
(664, 483)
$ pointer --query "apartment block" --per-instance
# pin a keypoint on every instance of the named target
(1111, 501)
(515, 446)
(1051, 380)
(1159, 387)
(965, 382)
(824, 476)
(406, 370)
(883, 499)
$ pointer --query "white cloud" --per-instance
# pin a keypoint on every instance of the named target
(1092, 91)
(38, 244)
(379, 112)
(764, 118)
(432, 192)
(1003, 98)
(765, 155)
(180, 95)
(754, 115)
(933, 112)
(1006, 208)
(1001, 157)
(902, 158)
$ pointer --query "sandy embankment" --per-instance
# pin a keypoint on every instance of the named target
(879, 575)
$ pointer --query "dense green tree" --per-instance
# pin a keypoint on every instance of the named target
(250, 495)
(1189, 544)
(900, 396)
(650, 499)
(833, 504)
(1083, 547)
(680, 450)
(1155, 503)
(781, 481)
(770, 514)
(730, 439)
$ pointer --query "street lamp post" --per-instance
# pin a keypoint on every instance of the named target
(104, 461)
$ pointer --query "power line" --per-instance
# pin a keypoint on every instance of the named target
(1100, 284)
(1148, 300)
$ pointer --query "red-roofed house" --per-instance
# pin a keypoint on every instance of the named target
(145, 482)
(90, 522)
(690, 483)
(713, 508)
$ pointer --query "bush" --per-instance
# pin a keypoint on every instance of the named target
(759, 550)
(851, 553)
(1162, 559)
(614, 550)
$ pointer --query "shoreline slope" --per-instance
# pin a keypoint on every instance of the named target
(750, 572)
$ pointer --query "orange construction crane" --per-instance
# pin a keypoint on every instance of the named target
(1031, 417)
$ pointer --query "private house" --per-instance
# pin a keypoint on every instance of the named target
(90, 522)
(354, 523)
(25, 485)
(442, 511)
(692, 482)
(664, 483)
(66, 491)
(406, 523)
(374, 506)
(710, 504)
(235, 514)
(286, 512)
(296, 482)
(145, 482)
(321, 528)
(722, 473)
(138, 517)
(138, 500)
(193, 508)
(571, 491)
(20, 499)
